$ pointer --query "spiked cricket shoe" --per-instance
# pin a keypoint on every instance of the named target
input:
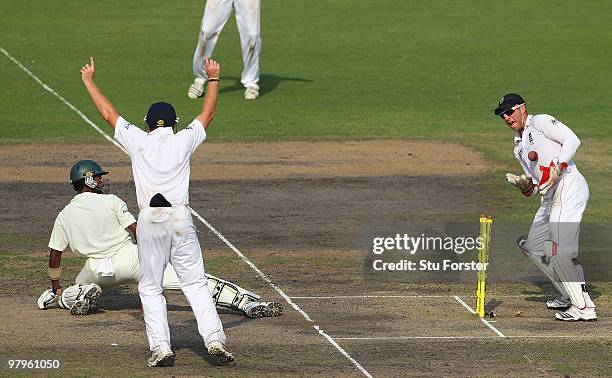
(573, 314)
(196, 90)
(218, 351)
(251, 92)
(161, 358)
(262, 309)
(558, 303)
(87, 301)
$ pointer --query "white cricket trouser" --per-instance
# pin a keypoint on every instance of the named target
(126, 268)
(167, 234)
(127, 271)
(558, 219)
(216, 14)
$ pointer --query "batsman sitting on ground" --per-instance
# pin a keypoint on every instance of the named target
(100, 227)
(545, 148)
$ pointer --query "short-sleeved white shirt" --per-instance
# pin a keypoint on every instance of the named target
(93, 225)
(160, 159)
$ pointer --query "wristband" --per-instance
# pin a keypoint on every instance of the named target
(54, 273)
(213, 79)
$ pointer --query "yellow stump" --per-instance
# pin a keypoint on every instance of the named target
(486, 223)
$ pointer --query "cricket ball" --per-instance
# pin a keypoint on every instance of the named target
(532, 155)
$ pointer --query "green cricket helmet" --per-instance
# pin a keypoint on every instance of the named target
(86, 170)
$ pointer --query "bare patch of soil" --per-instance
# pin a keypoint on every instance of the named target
(226, 161)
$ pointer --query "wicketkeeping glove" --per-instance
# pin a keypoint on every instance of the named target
(523, 182)
(556, 170)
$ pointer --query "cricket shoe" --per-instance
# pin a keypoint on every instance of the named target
(87, 300)
(161, 358)
(573, 314)
(251, 92)
(262, 309)
(559, 303)
(217, 350)
(196, 90)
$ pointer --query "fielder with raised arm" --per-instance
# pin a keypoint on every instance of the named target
(160, 165)
(100, 227)
(545, 148)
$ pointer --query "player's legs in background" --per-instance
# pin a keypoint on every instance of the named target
(186, 258)
(247, 18)
(154, 242)
(569, 203)
(216, 14)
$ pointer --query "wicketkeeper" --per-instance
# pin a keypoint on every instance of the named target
(545, 148)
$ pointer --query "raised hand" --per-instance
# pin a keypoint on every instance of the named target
(88, 70)
(213, 69)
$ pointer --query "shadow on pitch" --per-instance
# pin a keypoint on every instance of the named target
(267, 83)
(546, 291)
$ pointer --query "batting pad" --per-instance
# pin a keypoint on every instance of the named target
(69, 296)
(226, 294)
(541, 262)
(550, 273)
(571, 275)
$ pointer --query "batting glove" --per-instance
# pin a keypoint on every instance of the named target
(48, 298)
(555, 172)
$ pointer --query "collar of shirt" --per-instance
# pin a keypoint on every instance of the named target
(161, 130)
(518, 137)
(82, 196)
(528, 121)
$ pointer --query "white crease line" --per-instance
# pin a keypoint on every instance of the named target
(334, 343)
(498, 332)
(473, 337)
(243, 257)
(375, 296)
(253, 266)
(415, 337)
(465, 305)
(53, 92)
(406, 296)
(486, 322)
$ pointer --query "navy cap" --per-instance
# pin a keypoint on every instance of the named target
(161, 114)
(508, 101)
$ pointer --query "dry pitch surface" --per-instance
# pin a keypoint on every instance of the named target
(296, 211)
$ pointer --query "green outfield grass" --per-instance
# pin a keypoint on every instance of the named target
(335, 69)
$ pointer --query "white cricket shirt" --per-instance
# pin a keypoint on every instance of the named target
(160, 159)
(93, 225)
(551, 139)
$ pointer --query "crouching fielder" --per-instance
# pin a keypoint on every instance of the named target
(98, 226)
(545, 148)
